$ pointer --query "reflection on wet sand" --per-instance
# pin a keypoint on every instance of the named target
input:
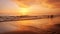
(55, 29)
(38, 26)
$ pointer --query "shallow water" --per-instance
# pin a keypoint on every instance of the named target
(18, 25)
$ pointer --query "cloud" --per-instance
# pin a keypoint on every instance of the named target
(53, 3)
(45, 3)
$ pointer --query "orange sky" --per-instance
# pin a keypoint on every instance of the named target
(9, 7)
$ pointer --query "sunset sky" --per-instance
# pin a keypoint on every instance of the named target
(8, 8)
(30, 7)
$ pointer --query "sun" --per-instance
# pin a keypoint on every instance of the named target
(24, 11)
